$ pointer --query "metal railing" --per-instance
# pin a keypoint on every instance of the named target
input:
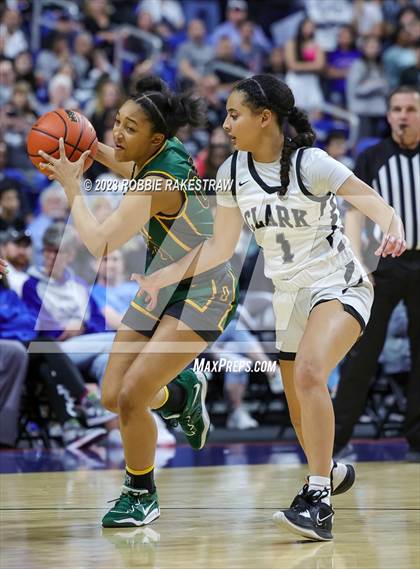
(351, 118)
(122, 54)
(39, 20)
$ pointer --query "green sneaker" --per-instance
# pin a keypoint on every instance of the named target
(132, 508)
(194, 419)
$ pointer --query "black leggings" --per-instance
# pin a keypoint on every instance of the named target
(62, 380)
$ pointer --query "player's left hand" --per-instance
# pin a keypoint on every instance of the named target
(393, 242)
(61, 169)
(148, 289)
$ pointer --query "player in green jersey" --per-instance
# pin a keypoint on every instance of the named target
(152, 348)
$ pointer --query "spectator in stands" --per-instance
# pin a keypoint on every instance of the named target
(101, 67)
(65, 387)
(16, 119)
(164, 12)
(367, 88)
(50, 60)
(399, 56)
(53, 203)
(62, 304)
(11, 214)
(195, 54)
(60, 93)
(305, 61)
(17, 250)
(411, 75)
(103, 109)
(218, 150)
(143, 48)
(368, 17)
(57, 296)
(7, 80)
(209, 88)
(249, 52)
(339, 63)
(276, 64)
(328, 18)
(409, 19)
(225, 65)
(194, 139)
(12, 38)
(337, 147)
(81, 57)
(394, 12)
(24, 69)
(112, 291)
(98, 23)
(236, 13)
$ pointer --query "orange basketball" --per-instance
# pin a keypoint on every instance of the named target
(77, 132)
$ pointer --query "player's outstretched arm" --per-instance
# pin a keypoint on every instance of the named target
(366, 200)
(105, 155)
(134, 211)
(209, 254)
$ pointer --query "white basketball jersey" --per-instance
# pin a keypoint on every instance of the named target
(302, 228)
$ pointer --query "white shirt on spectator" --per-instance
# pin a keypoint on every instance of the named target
(14, 43)
(169, 10)
(16, 279)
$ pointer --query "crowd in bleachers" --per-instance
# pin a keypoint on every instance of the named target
(340, 57)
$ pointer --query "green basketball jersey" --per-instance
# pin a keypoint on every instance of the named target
(170, 237)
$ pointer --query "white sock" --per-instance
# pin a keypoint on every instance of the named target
(338, 473)
(321, 483)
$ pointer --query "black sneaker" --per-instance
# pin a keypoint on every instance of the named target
(312, 520)
(345, 484)
(299, 502)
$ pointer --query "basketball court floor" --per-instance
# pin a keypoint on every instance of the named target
(216, 510)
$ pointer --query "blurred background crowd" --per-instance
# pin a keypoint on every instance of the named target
(340, 57)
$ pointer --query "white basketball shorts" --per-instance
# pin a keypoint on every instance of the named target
(294, 299)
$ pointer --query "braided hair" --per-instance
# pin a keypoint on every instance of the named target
(167, 111)
(267, 92)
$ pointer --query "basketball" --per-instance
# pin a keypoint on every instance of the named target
(77, 132)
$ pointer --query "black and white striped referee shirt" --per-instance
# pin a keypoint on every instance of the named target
(394, 173)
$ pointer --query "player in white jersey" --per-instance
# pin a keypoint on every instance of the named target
(285, 192)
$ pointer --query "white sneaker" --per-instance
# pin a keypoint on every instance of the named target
(241, 419)
(76, 436)
(165, 438)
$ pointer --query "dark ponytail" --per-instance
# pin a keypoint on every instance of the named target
(167, 111)
(268, 92)
(298, 119)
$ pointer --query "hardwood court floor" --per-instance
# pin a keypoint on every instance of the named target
(212, 517)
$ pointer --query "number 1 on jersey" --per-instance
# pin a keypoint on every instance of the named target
(285, 245)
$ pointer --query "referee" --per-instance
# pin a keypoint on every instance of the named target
(392, 167)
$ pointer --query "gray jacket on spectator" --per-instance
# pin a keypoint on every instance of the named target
(366, 89)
